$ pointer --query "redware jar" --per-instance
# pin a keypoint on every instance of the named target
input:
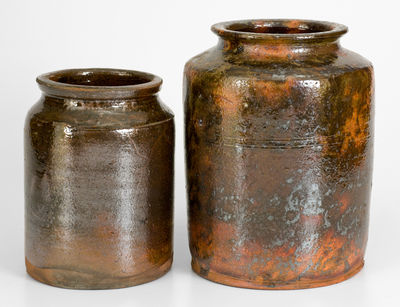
(279, 145)
(99, 148)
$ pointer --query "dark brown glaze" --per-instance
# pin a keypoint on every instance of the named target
(279, 146)
(99, 148)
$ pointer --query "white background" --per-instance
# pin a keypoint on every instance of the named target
(159, 37)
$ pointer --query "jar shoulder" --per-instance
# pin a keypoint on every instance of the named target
(277, 100)
(89, 116)
(212, 65)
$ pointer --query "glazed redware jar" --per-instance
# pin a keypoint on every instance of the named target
(99, 148)
(279, 145)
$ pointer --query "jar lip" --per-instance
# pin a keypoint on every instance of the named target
(294, 30)
(99, 83)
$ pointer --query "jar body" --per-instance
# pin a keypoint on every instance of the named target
(98, 188)
(279, 165)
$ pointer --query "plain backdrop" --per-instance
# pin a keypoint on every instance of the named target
(159, 37)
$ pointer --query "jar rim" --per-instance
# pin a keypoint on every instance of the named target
(99, 83)
(290, 30)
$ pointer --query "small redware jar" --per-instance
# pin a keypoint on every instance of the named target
(99, 149)
(279, 145)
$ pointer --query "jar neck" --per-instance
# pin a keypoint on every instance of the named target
(265, 51)
(271, 40)
(112, 105)
(99, 86)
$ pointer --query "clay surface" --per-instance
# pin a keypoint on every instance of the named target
(99, 148)
(279, 146)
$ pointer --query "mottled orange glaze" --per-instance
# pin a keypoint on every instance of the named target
(259, 283)
(293, 24)
(227, 99)
(273, 92)
(279, 141)
(344, 202)
(259, 53)
(356, 127)
(285, 267)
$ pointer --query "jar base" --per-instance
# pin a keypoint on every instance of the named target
(252, 284)
(79, 280)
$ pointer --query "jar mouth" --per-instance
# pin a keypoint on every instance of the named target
(99, 83)
(279, 29)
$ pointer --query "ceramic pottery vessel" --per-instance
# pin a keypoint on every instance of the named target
(99, 148)
(279, 144)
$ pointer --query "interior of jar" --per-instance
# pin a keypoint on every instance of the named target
(99, 78)
(279, 28)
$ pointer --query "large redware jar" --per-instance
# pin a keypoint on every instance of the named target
(279, 146)
(99, 148)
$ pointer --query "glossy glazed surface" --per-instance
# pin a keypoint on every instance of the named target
(99, 149)
(279, 146)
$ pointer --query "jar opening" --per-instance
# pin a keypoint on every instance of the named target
(279, 29)
(99, 83)
(282, 29)
(90, 78)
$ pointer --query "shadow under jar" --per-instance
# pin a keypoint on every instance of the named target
(279, 145)
(99, 148)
